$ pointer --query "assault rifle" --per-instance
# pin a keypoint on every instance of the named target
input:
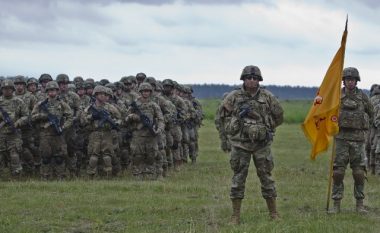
(144, 118)
(54, 121)
(103, 116)
(7, 120)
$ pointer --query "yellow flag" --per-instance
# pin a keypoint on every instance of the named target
(321, 122)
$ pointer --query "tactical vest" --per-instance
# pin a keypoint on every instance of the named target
(352, 112)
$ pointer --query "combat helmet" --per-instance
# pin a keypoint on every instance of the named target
(7, 83)
(89, 85)
(140, 76)
(79, 86)
(145, 87)
(104, 82)
(51, 85)
(351, 72)
(108, 91)
(111, 86)
(375, 90)
(78, 79)
(19, 79)
(31, 81)
(251, 70)
(62, 78)
(167, 82)
(99, 89)
(151, 81)
(119, 85)
(45, 77)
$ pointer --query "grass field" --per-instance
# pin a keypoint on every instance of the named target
(193, 200)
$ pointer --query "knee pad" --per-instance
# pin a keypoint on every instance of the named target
(338, 175)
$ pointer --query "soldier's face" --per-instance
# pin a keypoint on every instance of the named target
(32, 88)
(20, 87)
(102, 97)
(168, 89)
(7, 91)
(81, 92)
(145, 93)
(63, 86)
(350, 83)
(52, 93)
(251, 82)
(43, 83)
(89, 91)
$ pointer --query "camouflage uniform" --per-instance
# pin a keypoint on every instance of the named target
(188, 144)
(100, 148)
(374, 135)
(72, 99)
(30, 156)
(376, 142)
(176, 132)
(52, 145)
(254, 119)
(222, 117)
(10, 137)
(355, 116)
(198, 121)
(144, 141)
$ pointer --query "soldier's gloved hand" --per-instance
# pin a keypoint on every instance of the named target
(39, 116)
(156, 131)
(17, 124)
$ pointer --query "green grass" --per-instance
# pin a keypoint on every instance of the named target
(193, 200)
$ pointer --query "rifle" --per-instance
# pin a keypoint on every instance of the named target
(7, 120)
(144, 118)
(53, 119)
(103, 116)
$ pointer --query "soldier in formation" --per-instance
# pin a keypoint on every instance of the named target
(62, 128)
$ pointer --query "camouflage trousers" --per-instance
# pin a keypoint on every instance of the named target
(10, 150)
(185, 143)
(375, 154)
(53, 151)
(30, 157)
(192, 144)
(176, 134)
(353, 153)
(168, 159)
(263, 160)
(100, 150)
(144, 152)
(71, 156)
(125, 150)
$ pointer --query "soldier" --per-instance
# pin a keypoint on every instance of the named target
(52, 116)
(30, 156)
(140, 77)
(177, 120)
(198, 120)
(222, 117)
(73, 101)
(147, 122)
(89, 87)
(13, 115)
(376, 141)
(102, 118)
(373, 140)
(77, 80)
(255, 115)
(355, 116)
(43, 80)
(32, 86)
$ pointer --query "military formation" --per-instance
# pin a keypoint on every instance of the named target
(247, 119)
(57, 129)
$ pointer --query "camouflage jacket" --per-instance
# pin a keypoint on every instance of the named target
(181, 108)
(29, 99)
(261, 110)
(57, 108)
(355, 115)
(17, 111)
(92, 124)
(152, 111)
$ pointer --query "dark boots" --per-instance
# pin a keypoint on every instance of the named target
(236, 206)
(336, 207)
(360, 207)
(271, 204)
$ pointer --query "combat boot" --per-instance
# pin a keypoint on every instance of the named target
(336, 207)
(236, 206)
(177, 165)
(360, 207)
(271, 204)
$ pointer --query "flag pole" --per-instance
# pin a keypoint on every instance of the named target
(330, 176)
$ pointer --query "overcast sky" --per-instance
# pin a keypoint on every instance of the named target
(191, 41)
